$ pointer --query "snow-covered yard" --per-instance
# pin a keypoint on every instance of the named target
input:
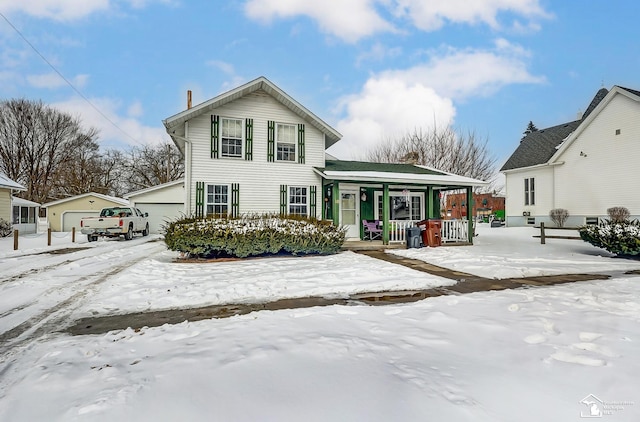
(525, 355)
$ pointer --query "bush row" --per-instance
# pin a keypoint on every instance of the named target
(618, 237)
(253, 235)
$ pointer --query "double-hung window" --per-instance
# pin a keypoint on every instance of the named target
(298, 200)
(529, 191)
(286, 137)
(231, 137)
(217, 199)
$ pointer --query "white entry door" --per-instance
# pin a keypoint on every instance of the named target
(350, 213)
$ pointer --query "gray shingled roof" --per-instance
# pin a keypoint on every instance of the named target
(538, 147)
(633, 91)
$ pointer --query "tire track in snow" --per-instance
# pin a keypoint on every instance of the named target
(54, 317)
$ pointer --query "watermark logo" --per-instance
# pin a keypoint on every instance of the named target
(596, 408)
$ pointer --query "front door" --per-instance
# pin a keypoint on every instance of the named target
(349, 213)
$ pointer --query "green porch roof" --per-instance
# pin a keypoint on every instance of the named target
(358, 166)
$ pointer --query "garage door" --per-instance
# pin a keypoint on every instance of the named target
(72, 219)
(159, 214)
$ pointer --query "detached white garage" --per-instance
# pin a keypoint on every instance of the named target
(163, 203)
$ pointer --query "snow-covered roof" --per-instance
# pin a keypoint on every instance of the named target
(154, 188)
(84, 195)
(359, 171)
(7, 183)
(23, 202)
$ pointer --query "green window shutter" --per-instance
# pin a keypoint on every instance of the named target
(199, 199)
(271, 140)
(215, 136)
(283, 199)
(301, 143)
(235, 199)
(248, 139)
(312, 202)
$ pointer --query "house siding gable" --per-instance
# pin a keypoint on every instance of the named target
(259, 180)
(600, 168)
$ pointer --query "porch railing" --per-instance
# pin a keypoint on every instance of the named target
(453, 231)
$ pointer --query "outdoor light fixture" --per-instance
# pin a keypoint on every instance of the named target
(363, 196)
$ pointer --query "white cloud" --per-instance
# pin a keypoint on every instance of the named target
(385, 108)
(349, 20)
(68, 10)
(352, 20)
(115, 129)
(394, 102)
(135, 109)
(55, 9)
(378, 52)
(52, 80)
(432, 15)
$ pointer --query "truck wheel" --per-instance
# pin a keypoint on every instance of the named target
(90, 238)
(129, 234)
(145, 232)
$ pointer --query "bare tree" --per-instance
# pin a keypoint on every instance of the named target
(443, 149)
(36, 143)
(152, 165)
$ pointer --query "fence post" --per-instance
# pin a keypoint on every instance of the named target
(73, 235)
(49, 236)
(542, 239)
(15, 240)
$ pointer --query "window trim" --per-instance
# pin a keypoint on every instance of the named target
(304, 204)
(214, 204)
(529, 191)
(294, 153)
(378, 195)
(240, 141)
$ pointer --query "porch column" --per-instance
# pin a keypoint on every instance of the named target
(430, 205)
(335, 195)
(385, 214)
(469, 211)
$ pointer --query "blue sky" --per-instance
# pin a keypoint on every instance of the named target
(373, 69)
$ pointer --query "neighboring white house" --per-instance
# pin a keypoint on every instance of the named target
(163, 203)
(585, 166)
(7, 187)
(255, 149)
(25, 215)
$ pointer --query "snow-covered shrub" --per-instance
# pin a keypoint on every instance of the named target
(5, 228)
(559, 216)
(620, 238)
(252, 235)
(618, 214)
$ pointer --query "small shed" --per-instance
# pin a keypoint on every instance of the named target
(163, 203)
(66, 213)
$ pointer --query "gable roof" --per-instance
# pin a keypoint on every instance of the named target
(362, 171)
(7, 183)
(84, 195)
(154, 188)
(174, 125)
(539, 146)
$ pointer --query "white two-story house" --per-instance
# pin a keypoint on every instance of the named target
(255, 149)
(585, 166)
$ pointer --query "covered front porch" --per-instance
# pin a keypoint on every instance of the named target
(394, 196)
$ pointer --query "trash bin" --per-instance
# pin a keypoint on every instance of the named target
(431, 235)
(413, 237)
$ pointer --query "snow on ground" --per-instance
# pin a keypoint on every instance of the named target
(526, 355)
(501, 252)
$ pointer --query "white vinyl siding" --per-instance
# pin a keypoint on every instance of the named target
(607, 173)
(259, 179)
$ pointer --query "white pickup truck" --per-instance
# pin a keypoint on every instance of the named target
(114, 222)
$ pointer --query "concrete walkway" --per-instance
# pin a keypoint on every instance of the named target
(467, 283)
